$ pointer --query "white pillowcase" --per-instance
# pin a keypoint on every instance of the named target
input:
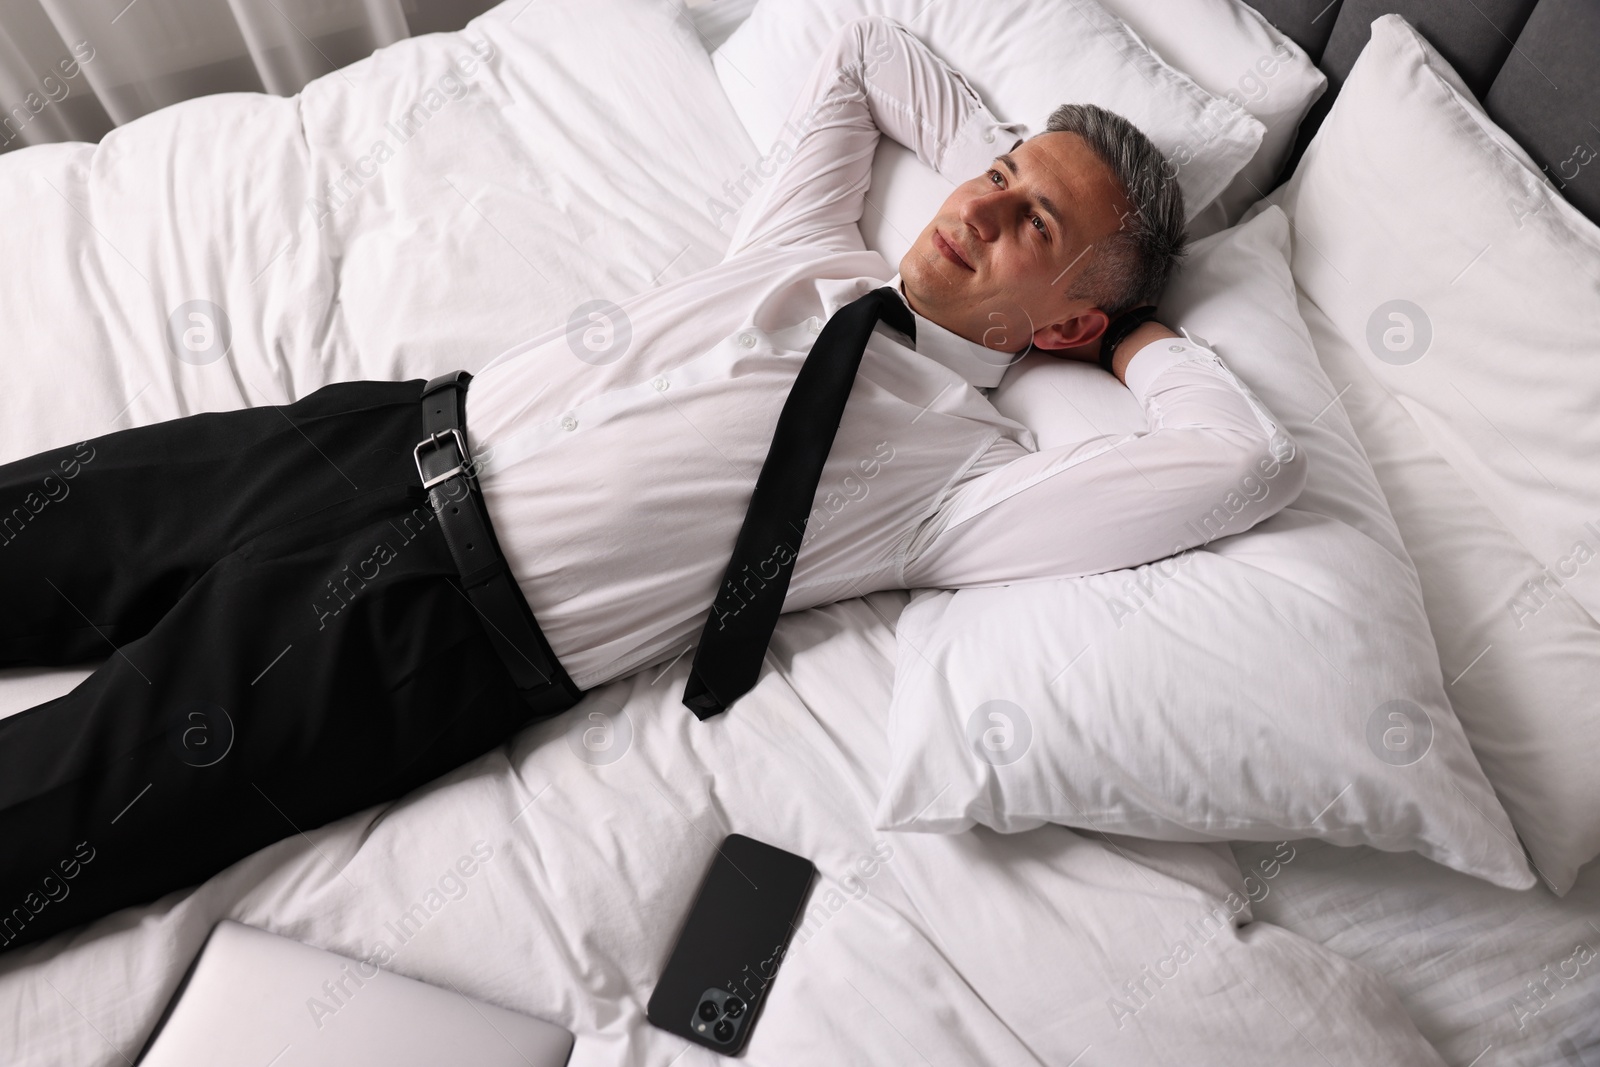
(1024, 58)
(1232, 52)
(1279, 683)
(1456, 298)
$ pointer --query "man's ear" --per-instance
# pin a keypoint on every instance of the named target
(1075, 332)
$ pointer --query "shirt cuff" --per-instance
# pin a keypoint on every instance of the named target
(1153, 359)
(980, 138)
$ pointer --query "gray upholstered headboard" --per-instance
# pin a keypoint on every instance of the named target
(1534, 65)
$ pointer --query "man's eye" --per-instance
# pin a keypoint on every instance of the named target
(1038, 222)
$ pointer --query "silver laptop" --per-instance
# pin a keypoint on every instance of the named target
(255, 998)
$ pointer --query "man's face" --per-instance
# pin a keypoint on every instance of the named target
(995, 263)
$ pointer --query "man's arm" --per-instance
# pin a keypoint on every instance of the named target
(873, 76)
(1214, 462)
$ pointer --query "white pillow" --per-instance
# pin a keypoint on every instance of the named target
(1279, 683)
(1232, 52)
(1024, 58)
(1456, 297)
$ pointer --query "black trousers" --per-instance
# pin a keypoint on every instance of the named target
(284, 642)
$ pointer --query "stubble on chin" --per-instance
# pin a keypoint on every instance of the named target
(925, 282)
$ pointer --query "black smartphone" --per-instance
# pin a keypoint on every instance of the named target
(729, 949)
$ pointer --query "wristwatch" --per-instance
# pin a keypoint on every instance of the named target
(1119, 329)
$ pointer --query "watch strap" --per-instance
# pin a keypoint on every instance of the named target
(1118, 330)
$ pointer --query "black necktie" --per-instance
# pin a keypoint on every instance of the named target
(753, 588)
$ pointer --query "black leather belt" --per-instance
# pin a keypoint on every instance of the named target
(448, 475)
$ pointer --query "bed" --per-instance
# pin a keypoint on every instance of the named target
(295, 245)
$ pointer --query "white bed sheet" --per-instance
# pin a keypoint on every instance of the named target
(957, 949)
(486, 226)
(447, 238)
(1459, 951)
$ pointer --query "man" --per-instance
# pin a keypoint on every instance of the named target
(297, 628)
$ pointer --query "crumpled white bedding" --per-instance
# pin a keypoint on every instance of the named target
(576, 166)
(944, 949)
(419, 211)
(1504, 975)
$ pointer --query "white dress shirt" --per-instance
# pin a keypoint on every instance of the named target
(617, 466)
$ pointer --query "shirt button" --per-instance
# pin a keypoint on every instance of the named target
(1174, 348)
(988, 138)
(568, 422)
(748, 340)
(660, 384)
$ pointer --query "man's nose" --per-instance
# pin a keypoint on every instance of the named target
(982, 213)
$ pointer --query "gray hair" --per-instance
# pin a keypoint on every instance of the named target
(1132, 266)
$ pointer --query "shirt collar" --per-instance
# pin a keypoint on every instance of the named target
(982, 367)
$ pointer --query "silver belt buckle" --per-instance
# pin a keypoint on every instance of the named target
(433, 441)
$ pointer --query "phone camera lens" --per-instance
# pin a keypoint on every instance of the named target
(708, 1010)
(734, 1007)
(723, 1031)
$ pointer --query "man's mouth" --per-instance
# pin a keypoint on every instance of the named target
(951, 251)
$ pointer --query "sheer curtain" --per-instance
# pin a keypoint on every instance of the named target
(73, 69)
